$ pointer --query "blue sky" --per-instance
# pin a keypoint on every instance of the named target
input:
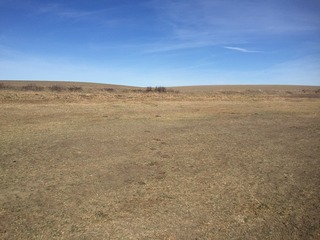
(161, 42)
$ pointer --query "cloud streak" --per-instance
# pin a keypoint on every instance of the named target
(241, 49)
(61, 11)
(167, 47)
(229, 22)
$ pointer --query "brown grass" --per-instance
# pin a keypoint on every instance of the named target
(134, 165)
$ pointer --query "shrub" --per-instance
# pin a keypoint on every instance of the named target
(2, 86)
(108, 89)
(31, 87)
(149, 89)
(160, 89)
(56, 88)
(75, 89)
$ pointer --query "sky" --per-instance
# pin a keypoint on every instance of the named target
(161, 42)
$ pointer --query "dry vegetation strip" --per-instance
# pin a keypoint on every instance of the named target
(159, 166)
(48, 92)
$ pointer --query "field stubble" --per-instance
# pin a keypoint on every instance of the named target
(159, 166)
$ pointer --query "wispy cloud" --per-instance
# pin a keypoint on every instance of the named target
(99, 17)
(229, 22)
(62, 11)
(241, 49)
(172, 46)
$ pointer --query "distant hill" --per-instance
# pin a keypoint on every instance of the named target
(183, 89)
(235, 88)
(84, 85)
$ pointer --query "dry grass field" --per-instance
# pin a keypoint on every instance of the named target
(115, 162)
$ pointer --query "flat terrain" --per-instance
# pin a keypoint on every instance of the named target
(219, 163)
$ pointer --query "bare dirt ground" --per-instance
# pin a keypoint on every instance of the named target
(240, 163)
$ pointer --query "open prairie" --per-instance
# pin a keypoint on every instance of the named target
(115, 162)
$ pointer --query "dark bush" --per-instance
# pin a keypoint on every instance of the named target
(149, 89)
(160, 89)
(32, 87)
(56, 88)
(2, 86)
(108, 89)
(75, 89)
